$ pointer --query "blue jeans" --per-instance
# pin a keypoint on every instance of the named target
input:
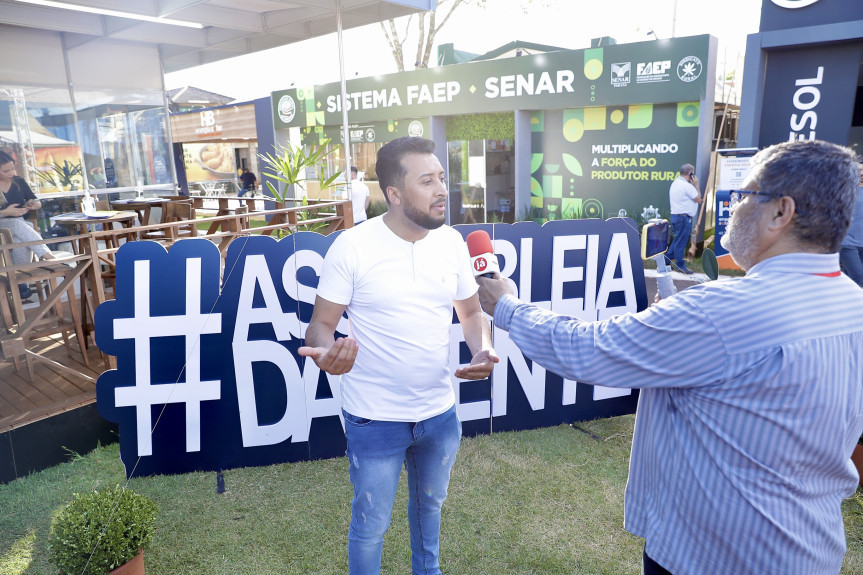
(851, 259)
(651, 567)
(376, 452)
(682, 225)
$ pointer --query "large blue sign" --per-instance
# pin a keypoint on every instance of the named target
(208, 376)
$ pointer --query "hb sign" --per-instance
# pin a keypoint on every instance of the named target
(208, 376)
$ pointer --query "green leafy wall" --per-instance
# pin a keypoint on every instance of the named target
(481, 127)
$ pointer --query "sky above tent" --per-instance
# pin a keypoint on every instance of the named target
(474, 29)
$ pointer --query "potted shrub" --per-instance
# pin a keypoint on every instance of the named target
(102, 532)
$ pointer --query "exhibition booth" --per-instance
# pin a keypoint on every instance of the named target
(568, 134)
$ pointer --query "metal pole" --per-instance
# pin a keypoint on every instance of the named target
(674, 21)
(345, 129)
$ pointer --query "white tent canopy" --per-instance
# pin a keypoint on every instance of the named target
(219, 29)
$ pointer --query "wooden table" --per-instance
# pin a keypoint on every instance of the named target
(225, 208)
(141, 205)
(77, 223)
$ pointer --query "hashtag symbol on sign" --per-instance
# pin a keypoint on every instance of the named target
(142, 328)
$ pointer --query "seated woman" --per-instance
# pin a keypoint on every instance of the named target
(16, 199)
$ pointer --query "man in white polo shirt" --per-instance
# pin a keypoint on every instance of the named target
(684, 198)
(360, 197)
(399, 277)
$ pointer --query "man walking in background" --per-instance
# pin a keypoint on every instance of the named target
(739, 464)
(399, 278)
(684, 197)
(248, 180)
(359, 197)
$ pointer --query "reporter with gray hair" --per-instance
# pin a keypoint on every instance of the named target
(740, 461)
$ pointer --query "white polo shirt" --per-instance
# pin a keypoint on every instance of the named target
(399, 298)
(682, 195)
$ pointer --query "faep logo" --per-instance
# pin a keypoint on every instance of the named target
(793, 4)
(287, 109)
(648, 72)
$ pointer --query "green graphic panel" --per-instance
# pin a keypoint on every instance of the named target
(594, 118)
(640, 117)
(625, 158)
(572, 164)
(537, 122)
(535, 189)
(552, 186)
(573, 125)
(593, 63)
(535, 162)
(687, 114)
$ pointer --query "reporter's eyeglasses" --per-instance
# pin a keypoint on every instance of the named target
(738, 196)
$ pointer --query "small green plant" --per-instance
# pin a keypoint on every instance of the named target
(101, 530)
(308, 215)
(530, 213)
(291, 164)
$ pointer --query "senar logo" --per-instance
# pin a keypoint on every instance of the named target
(792, 4)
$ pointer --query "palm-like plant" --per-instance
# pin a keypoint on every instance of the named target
(290, 165)
(60, 175)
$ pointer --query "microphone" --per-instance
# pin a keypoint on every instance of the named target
(482, 258)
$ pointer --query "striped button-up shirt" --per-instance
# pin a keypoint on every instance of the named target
(751, 404)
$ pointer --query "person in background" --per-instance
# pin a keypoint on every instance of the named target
(684, 197)
(97, 177)
(360, 197)
(739, 462)
(399, 277)
(248, 181)
(16, 201)
(851, 253)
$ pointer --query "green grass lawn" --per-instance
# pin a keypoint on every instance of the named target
(544, 501)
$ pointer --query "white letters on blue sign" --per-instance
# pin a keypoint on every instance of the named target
(142, 328)
(255, 395)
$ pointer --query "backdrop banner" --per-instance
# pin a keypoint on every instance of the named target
(811, 94)
(208, 376)
(651, 72)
